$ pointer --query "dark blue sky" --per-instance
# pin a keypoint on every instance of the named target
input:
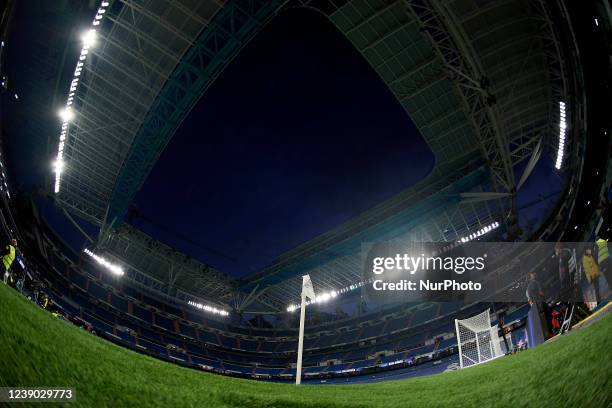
(298, 135)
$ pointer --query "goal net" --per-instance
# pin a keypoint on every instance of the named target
(477, 340)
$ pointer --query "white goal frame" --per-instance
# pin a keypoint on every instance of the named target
(477, 340)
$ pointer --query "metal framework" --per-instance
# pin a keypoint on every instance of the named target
(479, 79)
(464, 69)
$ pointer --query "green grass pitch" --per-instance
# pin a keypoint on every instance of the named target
(37, 349)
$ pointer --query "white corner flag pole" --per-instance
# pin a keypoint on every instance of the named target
(307, 291)
(298, 372)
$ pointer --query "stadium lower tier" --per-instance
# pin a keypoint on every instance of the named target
(409, 338)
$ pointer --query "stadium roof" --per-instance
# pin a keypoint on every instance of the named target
(481, 80)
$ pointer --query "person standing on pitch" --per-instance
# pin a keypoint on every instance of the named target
(604, 260)
(591, 270)
(8, 257)
(536, 299)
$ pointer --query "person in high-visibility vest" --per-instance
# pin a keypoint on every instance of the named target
(603, 259)
(591, 271)
(7, 259)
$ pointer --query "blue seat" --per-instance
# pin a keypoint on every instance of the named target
(78, 279)
(164, 322)
(126, 337)
(397, 324)
(150, 335)
(67, 307)
(268, 371)
(142, 313)
(268, 346)
(424, 315)
(195, 349)
(186, 330)
(248, 345)
(98, 324)
(97, 291)
(173, 310)
(372, 331)
(205, 361)
(119, 303)
(178, 356)
(156, 348)
(237, 368)
(228, 342)
(363, 363)
(207, 337)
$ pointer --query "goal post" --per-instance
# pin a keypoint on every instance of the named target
(477, 340)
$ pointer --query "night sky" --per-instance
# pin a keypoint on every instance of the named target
(297, 136)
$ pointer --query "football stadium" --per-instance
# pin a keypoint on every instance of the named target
(306, 203)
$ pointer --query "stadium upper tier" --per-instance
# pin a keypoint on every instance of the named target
(482, 80)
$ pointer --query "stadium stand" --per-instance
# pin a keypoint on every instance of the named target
(182, 335)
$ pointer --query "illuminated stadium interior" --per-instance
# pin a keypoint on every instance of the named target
(178, 166)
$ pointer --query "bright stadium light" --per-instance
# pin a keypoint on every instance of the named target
(326, 296)
(88, 38)
(66, 114)
(562, 134)
(208, 308)
(114, 269)
(480, 232)
(58, 166)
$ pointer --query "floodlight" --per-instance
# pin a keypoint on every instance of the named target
(66, 114)
(208, 308)
(115, 269)
(562, 132)
(58, 166)
(89, 38)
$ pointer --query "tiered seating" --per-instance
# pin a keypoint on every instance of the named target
(150, 335)
(285, 346)
(126, 337)
(363, 364)
(78, 279)
(164, 322)
(119, 303)
(347, 337)
(411, 341)
(423, 315)
(248, 345)
(397, 324)
(188, 331)
(447, 343)
(221, 345)
(178, 356)
(268, 346)
(152, 346)
(331, 339)
(268, 371)
(142, 313)
(207, 337)
(97, 291)
(97, 323)
(372, 331)
(205, 361)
